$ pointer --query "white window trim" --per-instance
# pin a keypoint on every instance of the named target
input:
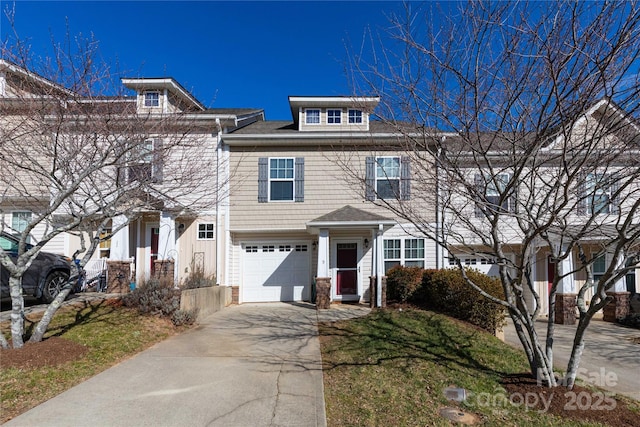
(144, 98)
(205, 231)
(403, 248)
(355, 116)
(339, 117)
(593, 192)
(292, 180)
(306, 116)
(386, 177)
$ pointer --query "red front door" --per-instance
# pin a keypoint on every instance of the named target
(155, 232)
(347, 269)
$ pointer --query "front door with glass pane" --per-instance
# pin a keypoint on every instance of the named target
(347, 270)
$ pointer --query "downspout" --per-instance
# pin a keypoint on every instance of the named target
(440, 217)
(217, 204)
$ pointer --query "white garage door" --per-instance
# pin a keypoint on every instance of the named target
(276, 271)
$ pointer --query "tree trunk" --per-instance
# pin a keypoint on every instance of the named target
(576, 351)
(43, 324)
(17, 311)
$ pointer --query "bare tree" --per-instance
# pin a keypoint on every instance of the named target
(76, 153)
(528, 111)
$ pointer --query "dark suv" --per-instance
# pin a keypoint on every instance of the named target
(45, 277)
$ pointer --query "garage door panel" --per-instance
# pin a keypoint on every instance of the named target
(276, 272)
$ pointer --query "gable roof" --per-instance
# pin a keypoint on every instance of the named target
(168, 83)
(351, 218)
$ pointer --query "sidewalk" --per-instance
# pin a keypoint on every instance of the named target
(248, 365)
(609, 354)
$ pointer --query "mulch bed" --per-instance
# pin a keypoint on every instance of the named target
(579, 404)
(53, 351)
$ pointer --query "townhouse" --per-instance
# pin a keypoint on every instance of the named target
(323, 204)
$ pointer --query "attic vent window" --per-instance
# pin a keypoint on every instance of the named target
(152, 99)
(355, 116)
(334, 117)
(312, 117)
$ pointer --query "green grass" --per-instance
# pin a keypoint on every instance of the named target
(110, 332)
(390, 369)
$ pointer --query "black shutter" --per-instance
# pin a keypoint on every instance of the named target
(479, 195)
(263, 180)
(370, 179)
(158, 161)
(405, 178)
(299, 180)
(581, 207)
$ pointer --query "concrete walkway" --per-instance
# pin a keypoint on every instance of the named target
(610, 359)
(248, 365)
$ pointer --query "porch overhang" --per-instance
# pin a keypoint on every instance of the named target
(349, 218)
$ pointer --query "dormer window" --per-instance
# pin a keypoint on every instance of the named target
(152, 99)
(334, 117)
(312, 117)
(355, 116)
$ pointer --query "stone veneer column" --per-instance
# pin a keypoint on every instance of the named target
(372, 291)
(618, 308)
(323, 293)
(565, 309)
(118, 276)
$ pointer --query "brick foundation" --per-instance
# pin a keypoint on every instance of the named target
(235, 295)
(164, 269)
(565, 309)
(118, 276)
(323, 293)
(618, 308)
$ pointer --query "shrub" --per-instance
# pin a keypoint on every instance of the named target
(632, 320)
(402, 282)
(160, 298)
(197, 279)
(447, 291)
(184, 317)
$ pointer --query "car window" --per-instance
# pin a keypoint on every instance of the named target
(8, 244)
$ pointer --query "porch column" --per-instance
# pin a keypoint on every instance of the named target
(565, 310)
(120, 240)
(379, 266)
(619, 307)
(323, 280)
(323, 253)
(167, 253)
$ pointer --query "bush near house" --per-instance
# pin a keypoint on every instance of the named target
(403, 282)
(161, 298)
(198, 279)
(446, 291)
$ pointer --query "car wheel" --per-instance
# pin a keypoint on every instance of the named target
(53, 285)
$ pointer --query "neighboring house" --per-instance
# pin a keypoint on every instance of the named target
(180, 232)
(595, 196)
(301, 215)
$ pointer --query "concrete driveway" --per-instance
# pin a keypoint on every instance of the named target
(248, 365)
(610, 360)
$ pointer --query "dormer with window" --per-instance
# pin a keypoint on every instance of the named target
(162, 96)
(332, 113)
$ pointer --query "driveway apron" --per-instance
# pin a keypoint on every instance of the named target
(248, 365)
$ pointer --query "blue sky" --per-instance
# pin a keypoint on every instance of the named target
(229, 54)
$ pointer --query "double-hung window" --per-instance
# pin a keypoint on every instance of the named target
(146, 161)
(355, 116)
(20, 221)
(312, 116)
(496, 198)
(152, 99)
(334, 117)
(388, 177)
(280, 179)
(598, 268)
(599, 193)
(408, 252)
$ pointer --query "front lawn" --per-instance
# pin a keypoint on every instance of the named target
(391, 367)
(81, 342)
